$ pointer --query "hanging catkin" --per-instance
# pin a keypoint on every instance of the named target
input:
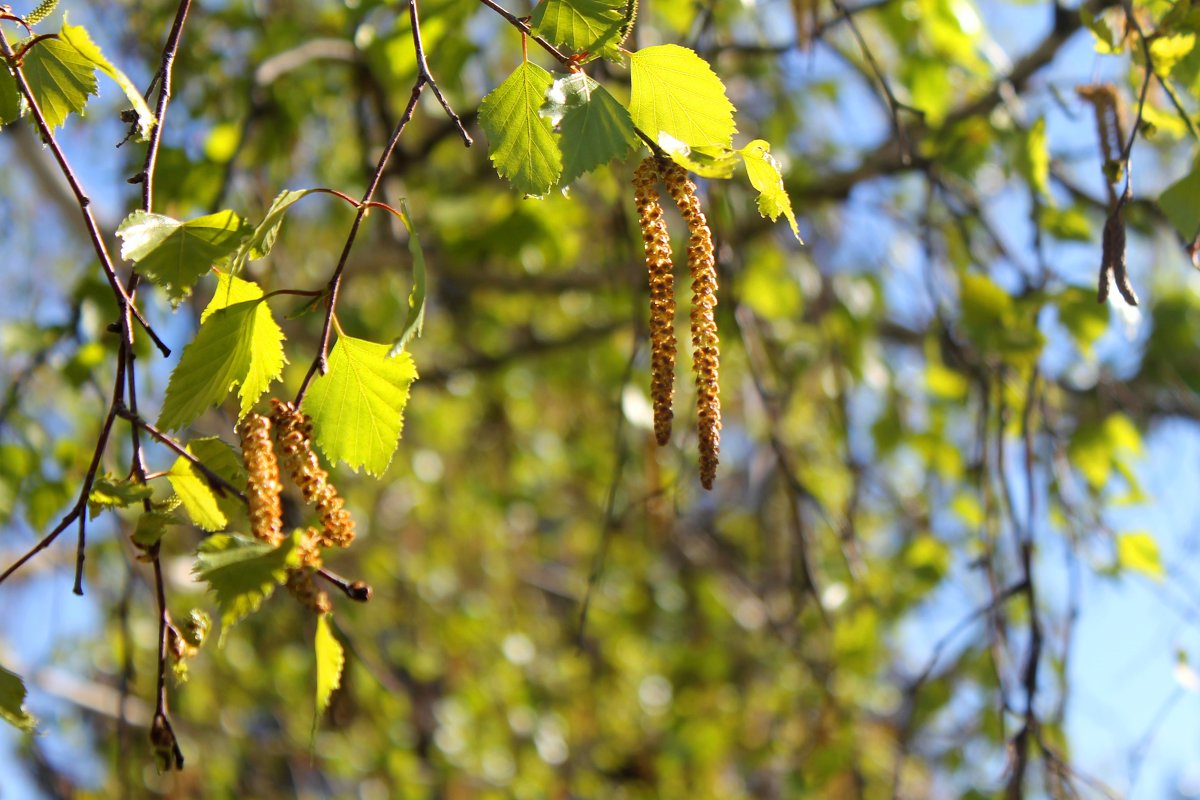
(293, 431)
(262, 486)
(705, 342)
(662, 296)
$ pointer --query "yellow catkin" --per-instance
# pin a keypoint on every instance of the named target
(706, 344)
(657, 243)
(293, 431)
(263, 486)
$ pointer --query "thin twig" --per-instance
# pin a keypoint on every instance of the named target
(423, 72)
(219, 484)
(93, 229)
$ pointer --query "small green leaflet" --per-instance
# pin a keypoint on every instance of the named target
(78, 38)
(12, 702)
(238, 343)
(330, 661)
(1139, 552)
(595, 127)
(580, 26)
(521, 144)
(357, 408)
(243, 572)
(152, 525)
(205, 507)
(176, 254)
(414, 323)
(109, 492)
(675, 92)
(60, 77)
(765, 176)
(259, 243)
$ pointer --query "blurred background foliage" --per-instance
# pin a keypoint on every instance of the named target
(927, 414)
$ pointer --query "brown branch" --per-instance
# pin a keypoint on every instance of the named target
(219, 484)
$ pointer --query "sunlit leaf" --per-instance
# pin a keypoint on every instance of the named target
(766, 176)
(579, 26)
(677, 93)
(260, 242)
(78, 38)
(109, 492)
(1139, 552)
(414, 323)
(521, 144)
(176, 254)
(10, 98)
(595, 127)
(330, 661)
(243, 572)
(357, 408)
(207, 509)
(239, 343)
(12, 702)
(60, 77)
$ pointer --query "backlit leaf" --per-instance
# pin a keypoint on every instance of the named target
(109, 492)
(10, 98)
(595, 127)
(676, 92)
(1139, 552)
(330, 660)
(243, 572)
(60, 77)
(580, 26)
(260, 242)
(237, 344)
(766, 176)
(206, 508)
(176, 254)
(78, 38)
(12, 701)
(521, 145)
(357, 408)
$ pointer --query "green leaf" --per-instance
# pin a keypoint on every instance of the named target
(176, 254)
(595, 128)
(766, 176)
(60, 77)
(330, 661)
(110, 492)
(12, 702)
(1167, 51)
(10, 98)
(78, 38)
(152, 525)
(675, 92)
(521, 145)
(580, 26)
(357, 408)
(260, 242)
(1181, 203)
(414, 323)
(206, 508)
(243, 572)
(1139, 552)
(237, 344)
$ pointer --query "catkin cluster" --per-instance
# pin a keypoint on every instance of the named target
(705, 341)
(662, 297)
(293, 430)
(262, 487)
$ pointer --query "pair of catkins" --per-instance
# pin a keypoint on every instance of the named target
(293, 432)
(702, 265)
